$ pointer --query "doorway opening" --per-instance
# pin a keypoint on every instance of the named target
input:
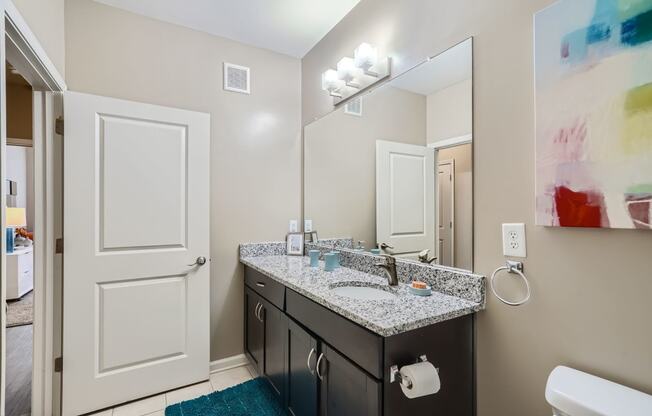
(19, 239)
(28, 382)
(455, 205)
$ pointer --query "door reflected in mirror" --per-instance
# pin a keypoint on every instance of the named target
(394, 168)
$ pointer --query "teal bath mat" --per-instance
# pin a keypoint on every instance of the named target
(252, 398)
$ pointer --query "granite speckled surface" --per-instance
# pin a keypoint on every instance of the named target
(447, 280)
(271, 248)
(389, 317)
(345, 242)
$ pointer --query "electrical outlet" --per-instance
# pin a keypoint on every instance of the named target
(514, 240)
(294, 226)
(307, 226)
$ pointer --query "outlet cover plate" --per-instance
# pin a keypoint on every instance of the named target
(514, 240)
(307, 226)
(294, 226)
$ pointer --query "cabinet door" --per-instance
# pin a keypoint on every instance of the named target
(346, 390)
(254, 329)
(274, 351)
(301, 378)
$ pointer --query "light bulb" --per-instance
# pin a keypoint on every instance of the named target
(365, 56)
(347, 71)
(330, 81)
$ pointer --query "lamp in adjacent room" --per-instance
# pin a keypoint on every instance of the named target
(15, 217)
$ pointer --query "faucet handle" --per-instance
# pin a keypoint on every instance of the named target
(389, 258)
(384, 246)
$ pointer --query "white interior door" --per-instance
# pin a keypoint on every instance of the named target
(405, 197)
(136, 313)
(446, 212)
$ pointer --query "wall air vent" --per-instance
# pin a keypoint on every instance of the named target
(354, 107)
(236, 78)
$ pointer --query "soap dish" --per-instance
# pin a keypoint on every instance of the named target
(420, 292)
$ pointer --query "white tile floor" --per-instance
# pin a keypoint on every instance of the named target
(155, 405)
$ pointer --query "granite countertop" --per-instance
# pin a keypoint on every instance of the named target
(388, 317)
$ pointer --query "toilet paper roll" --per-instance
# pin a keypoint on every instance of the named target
(424, 378)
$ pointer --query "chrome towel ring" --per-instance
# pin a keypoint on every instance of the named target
(511, 267)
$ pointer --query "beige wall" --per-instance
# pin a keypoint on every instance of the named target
(590, 305)
(46, 20)
(19, 111)
(341, 199)
(255, 146)
(450, 112)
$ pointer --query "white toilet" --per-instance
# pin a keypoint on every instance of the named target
(574, 393)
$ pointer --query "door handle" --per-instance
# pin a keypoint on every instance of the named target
(319, 374)
(312, 351)
(201, 260)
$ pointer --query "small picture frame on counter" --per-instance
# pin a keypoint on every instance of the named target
(311, 236)
(294, 244)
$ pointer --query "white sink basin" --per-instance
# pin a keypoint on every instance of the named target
(363, 293)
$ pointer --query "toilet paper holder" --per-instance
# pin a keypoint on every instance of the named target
(395, 373)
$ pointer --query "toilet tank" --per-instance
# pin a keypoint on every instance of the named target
(574, 393)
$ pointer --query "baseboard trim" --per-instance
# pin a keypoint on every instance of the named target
(228, 363)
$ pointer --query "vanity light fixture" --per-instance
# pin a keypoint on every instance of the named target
(355, 75)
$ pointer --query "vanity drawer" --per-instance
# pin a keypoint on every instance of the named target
(355, 342)
(268, 288)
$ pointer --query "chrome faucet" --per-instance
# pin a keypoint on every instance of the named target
(423, 257)
(390, 269)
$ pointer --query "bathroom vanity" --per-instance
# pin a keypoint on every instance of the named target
(328, 354)
(392, 168)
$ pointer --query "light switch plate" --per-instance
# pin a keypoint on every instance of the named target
(307, 226)
(294, 226)
(514, 240)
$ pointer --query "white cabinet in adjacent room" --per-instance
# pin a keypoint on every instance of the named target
(20, 275)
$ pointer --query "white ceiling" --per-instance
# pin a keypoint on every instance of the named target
(291, 27)
(446, 69)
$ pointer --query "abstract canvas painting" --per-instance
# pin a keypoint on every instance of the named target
(593, 85)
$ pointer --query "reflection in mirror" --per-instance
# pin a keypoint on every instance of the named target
(393, 168)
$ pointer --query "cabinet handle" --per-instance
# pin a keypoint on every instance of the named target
(260, 312)
(258, 305)
(260, 284)
(312, 351)
(317, 367)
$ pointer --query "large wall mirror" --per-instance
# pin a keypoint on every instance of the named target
(394, 167)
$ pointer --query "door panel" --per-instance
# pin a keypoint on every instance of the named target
(347, 390)
(301, 382)
(122, 314)
(405, 197)
(137, 215)
(132, 175)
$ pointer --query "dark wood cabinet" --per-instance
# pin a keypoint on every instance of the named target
(301, 381)
(254, 329)
(346, 390)
(322, 364)
(275, 322)
(264, 342)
